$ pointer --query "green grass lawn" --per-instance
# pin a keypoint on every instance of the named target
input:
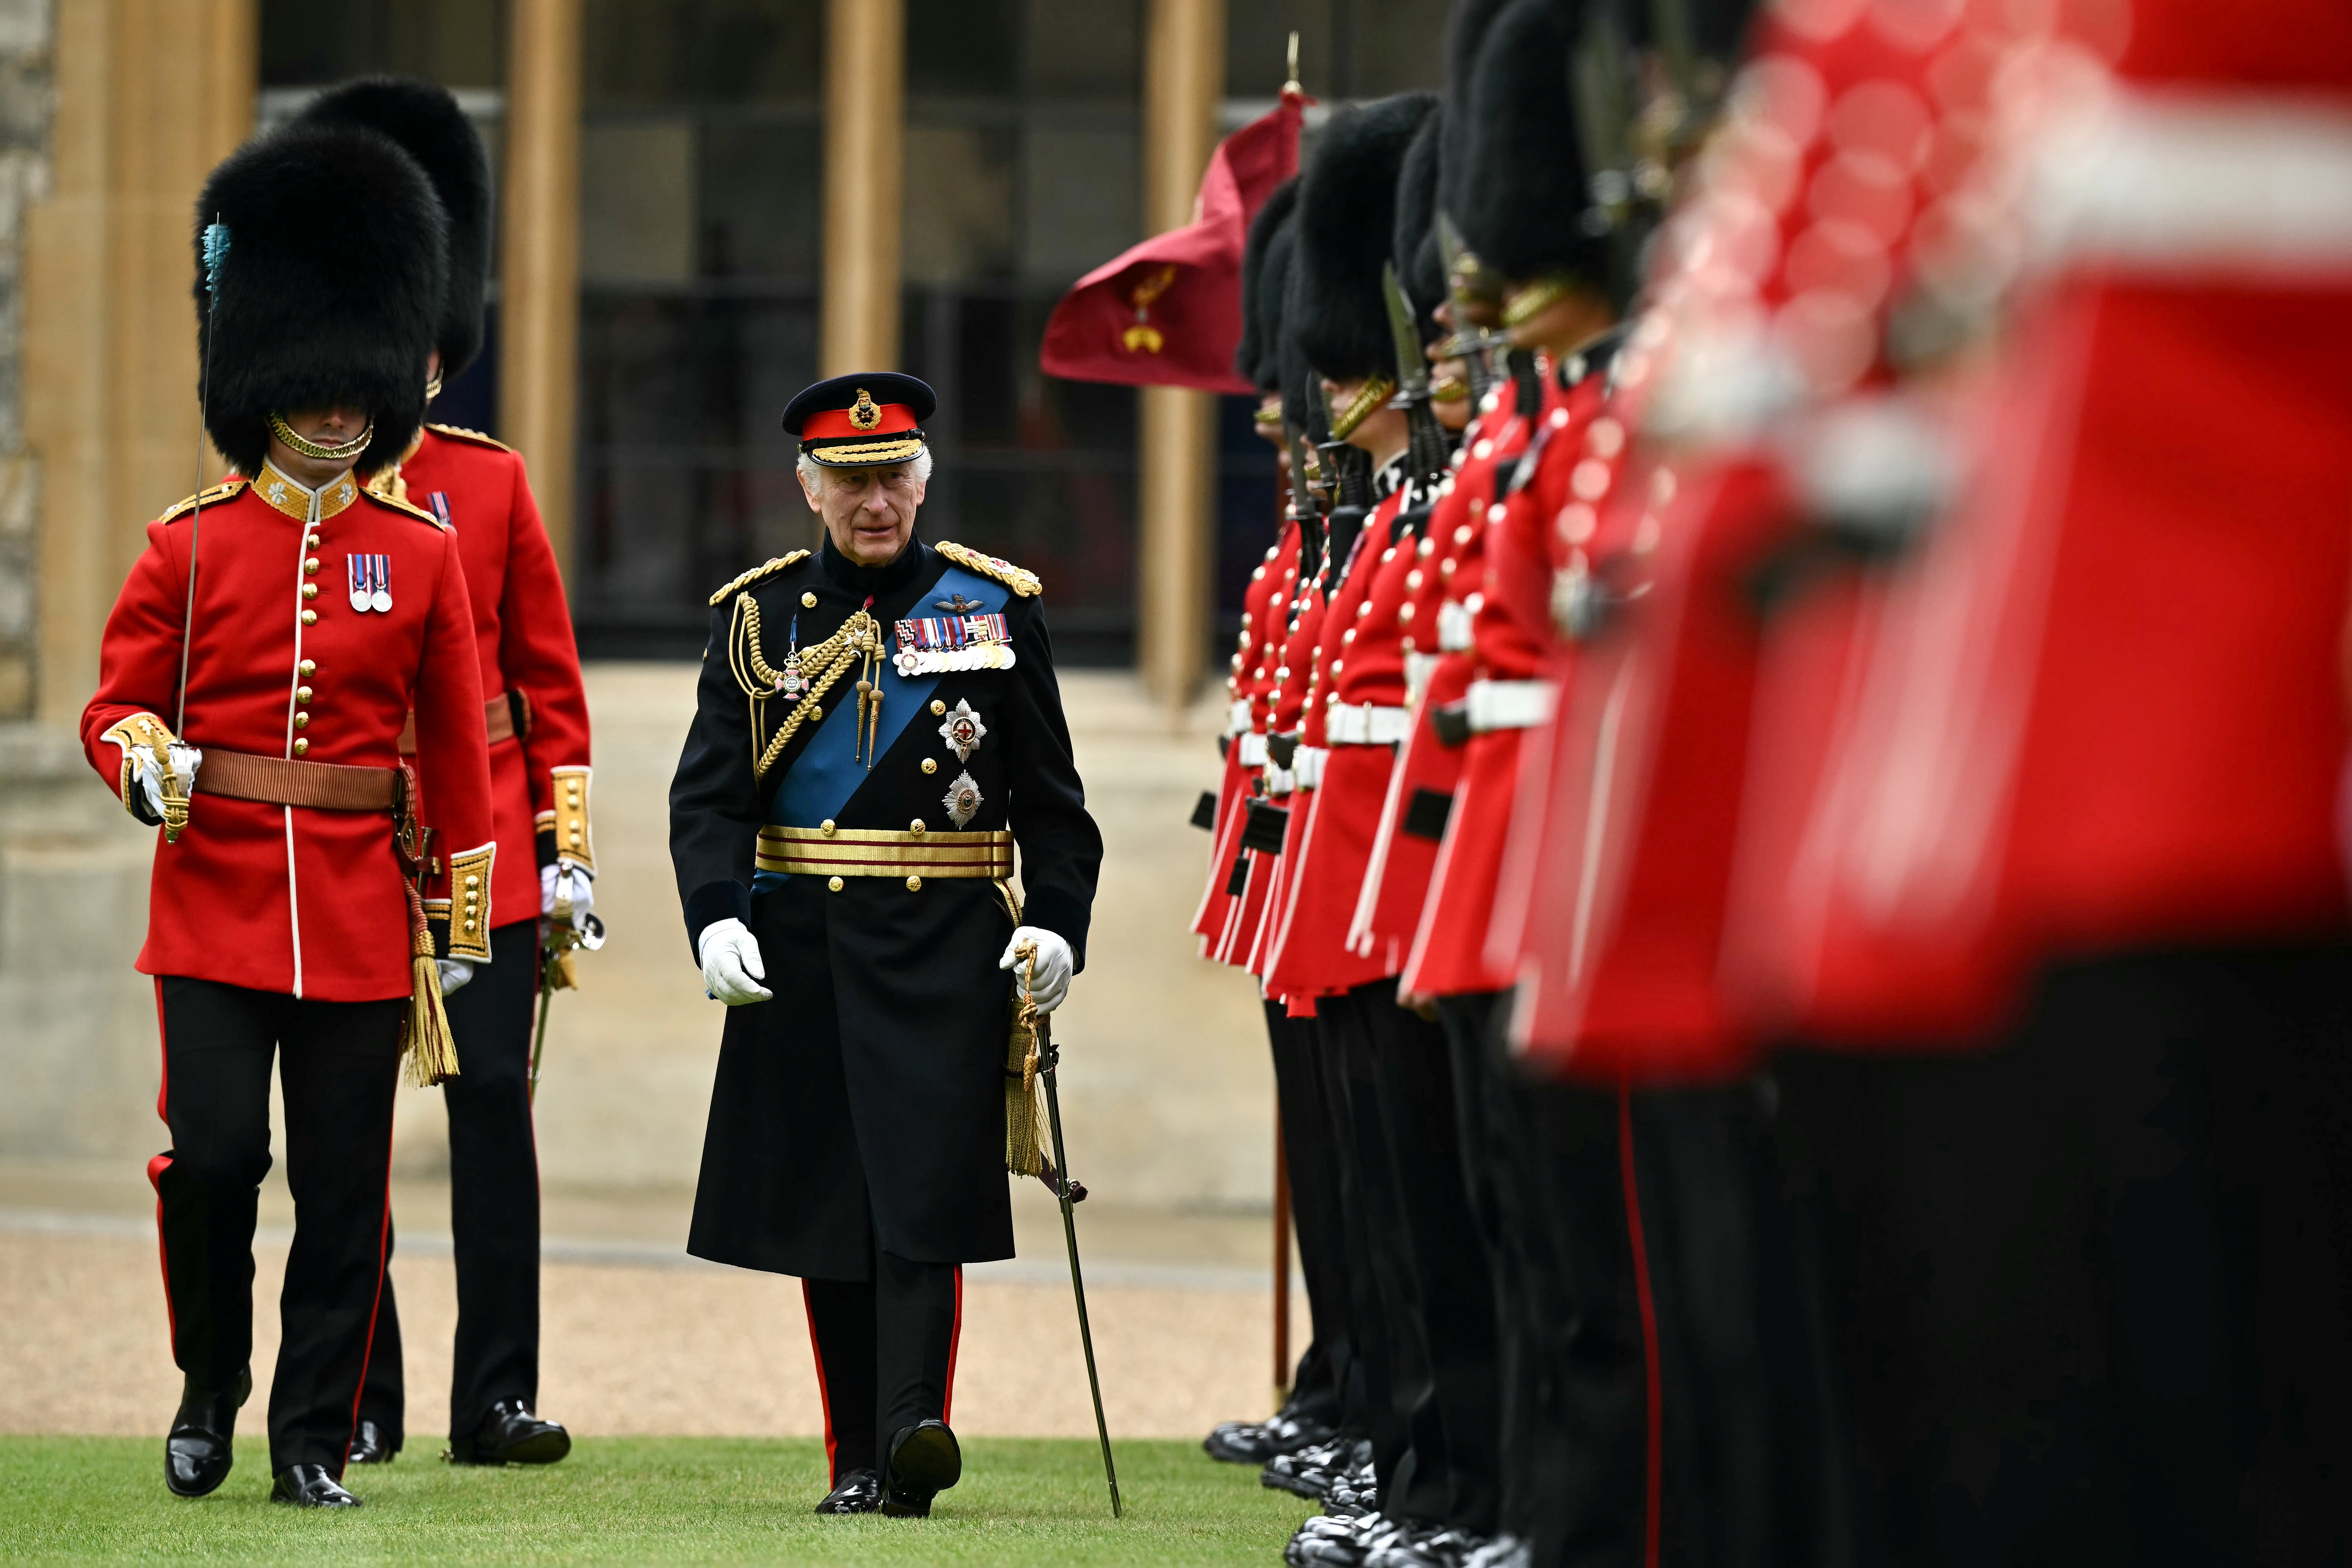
(1030, 1501)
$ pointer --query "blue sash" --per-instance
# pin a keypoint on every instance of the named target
(827, 771)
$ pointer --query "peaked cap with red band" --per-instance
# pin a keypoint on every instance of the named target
(862, 421)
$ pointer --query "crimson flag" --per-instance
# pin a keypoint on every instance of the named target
(1168, 312)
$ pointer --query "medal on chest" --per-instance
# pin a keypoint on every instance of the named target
(371, 578)
(962, 730)
(966, 640)
(789, 681)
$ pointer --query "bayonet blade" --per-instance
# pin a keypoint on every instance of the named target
(1412, 365)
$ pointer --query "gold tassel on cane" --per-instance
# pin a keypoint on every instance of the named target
(432, 1055)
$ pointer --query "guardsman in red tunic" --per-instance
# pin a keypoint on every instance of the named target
(536, 717)
(311, 618)
(2073, 892)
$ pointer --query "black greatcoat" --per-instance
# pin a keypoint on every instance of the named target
(863, 1107)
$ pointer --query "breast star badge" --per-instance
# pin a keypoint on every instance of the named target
(962, 730)
(962, 799)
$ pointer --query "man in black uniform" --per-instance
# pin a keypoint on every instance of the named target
(877, 727)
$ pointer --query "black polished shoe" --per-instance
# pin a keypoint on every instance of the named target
(370, 1444)
(924, 1462)
(198, 1451)
(511, 1435)
(860, 1491)
(1255, 1442)
(310, 1486)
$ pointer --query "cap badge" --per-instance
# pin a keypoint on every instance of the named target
(863, 413)
(962, 799)
(962, 731)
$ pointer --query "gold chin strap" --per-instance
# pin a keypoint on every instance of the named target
(1525, 304)
(311, 449)
(1374, 393)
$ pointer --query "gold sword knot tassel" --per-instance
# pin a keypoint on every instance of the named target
(176, 794)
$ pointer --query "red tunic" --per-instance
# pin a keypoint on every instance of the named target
(1263, 606)
(288, 898)
(1509, 620)
(1285, 705)
(1452, 561)
(522, 632)
(2105, 709)
(1310, 957)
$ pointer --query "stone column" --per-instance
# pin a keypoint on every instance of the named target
(150, 95)
(1183, 77)
(864, 167)
(538, 271)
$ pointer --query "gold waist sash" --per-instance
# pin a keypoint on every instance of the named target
(877, 851)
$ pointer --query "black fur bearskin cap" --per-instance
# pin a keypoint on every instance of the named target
(329, 291)
(425, 119)
(1253, 357)
(1414, 248)
(1465, 31)
(1347, 220)
(1273, 295)
(1524, 191)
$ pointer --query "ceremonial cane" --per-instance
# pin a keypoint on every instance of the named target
(1047, 1058)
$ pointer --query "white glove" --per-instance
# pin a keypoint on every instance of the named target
(1050, 981)
(564, 880)
(455, 974)
(184, 759)
(732, 969)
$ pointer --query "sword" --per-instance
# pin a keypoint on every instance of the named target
(1048, 1055)
(555, 973)
(1425, 441)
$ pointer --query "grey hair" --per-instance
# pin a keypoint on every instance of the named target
(811, 469)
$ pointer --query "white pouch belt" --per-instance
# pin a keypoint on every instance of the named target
(1418, 668)
(1281, 781)
(1253, 747)
(1367, 725)
(1308, 765)
(1508, 704)
(1454, 626)
(1237, 721)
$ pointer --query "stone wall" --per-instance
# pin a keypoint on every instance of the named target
(28, 103)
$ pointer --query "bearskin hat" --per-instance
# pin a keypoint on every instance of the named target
(1253, 357)
(1465, 31)
(1414, 248)
(329, 293)
(1524, 192)
(1347, 220)
(425, 119)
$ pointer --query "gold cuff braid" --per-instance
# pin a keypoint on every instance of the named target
(573, 840)
(470, 900)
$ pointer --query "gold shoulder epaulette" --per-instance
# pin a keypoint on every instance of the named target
(759, 571)
(459, 433)
(226, 490)
(393, 503)
(1024, 583)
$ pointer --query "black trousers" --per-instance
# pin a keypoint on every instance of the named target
(1321, 1384)
(1452, 1403)
(493, 1201)
(885, 1350)
(1375, 1256)
(338, 1065)
(2093, 1291)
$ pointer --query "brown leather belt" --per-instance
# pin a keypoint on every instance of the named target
(498, 718)
(283, 782)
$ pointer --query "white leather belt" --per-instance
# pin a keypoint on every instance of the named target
(1253, 747)
(1508, 704)
(1418, 668)
(1367, 725)
(1280, 780)
(1237, 720)
(1454, 626)
(1308, 765)
(2179, 181)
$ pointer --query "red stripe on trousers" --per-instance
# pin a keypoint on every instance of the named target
(955, 1340)
(367, 1352)
(1653, 1391)
(833, 1475)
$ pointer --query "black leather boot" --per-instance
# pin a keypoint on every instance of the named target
(860, 1491)
(924, 1460)
(510, 1435)
(197, 1452)
(371, 1445)
(310, 1486)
